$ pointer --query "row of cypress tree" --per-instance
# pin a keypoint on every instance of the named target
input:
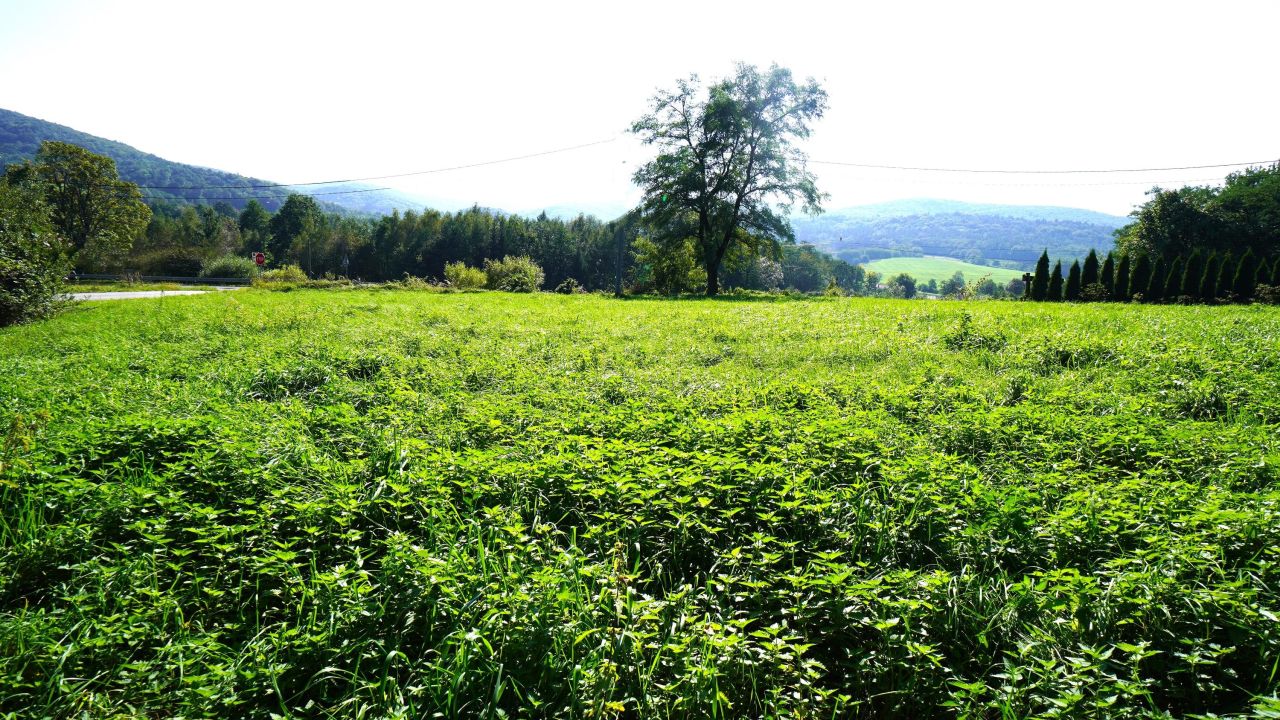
(1198, 277)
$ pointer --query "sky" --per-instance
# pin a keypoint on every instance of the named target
(307, 91)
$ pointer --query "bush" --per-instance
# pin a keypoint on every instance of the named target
(286, 274)
(569, 286)
(175, 261)
(33, 260)
(1095, 292)
(411, 282)
(1267, 294)
(462, 277)
(513, 274)
(229, 266)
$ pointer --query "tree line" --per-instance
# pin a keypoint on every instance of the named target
(1196, 277)
(1189, 245)
(68, 208)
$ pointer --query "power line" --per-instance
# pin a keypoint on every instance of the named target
(919, 181)
(378, 177)
(1039, 172)
(914, 181)
(264, 197)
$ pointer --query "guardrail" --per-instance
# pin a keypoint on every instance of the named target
(160, 279)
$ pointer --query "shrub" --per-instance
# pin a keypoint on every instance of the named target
(513, 274)
(229, 266)
(569, 286)
(286, 274)
(412, 282)
(176, 261)
(1268, 294)
(1095, 292)
(33, 260)
(462, 277)
(966, 336)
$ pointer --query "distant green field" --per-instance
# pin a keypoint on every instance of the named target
(939, 268)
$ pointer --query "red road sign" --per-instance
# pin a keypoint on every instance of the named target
(260, 259)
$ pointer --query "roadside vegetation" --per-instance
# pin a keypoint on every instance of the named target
(396, 504)
(94, 286)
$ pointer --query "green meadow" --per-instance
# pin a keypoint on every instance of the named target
(400, 504)
(924, 269)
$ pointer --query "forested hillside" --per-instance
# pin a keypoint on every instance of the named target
(1004, 235)
(20, 137)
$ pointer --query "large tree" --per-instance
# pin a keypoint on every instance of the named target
(1055, 283)
(727, 169)
(95, 211)
(1072, 291)
(299, 215)
(1108, 276)
(1040, 281)
(1122, 291)
(33, 259)
(1192, 273)
(1140, 278)
(254, 222)
(1155, 282)
(1242, 214)
(1089, 271)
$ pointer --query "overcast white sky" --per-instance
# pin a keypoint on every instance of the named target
(307, 91)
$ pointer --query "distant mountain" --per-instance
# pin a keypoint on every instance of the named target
(369, 199)
(20, 137)
(569, 211)
(933, 206)
(999, 235)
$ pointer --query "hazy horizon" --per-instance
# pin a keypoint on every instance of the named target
(300, 93)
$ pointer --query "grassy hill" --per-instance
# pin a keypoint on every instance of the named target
(408, 504)
(924, 269)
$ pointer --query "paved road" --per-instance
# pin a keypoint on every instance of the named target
(129, 295)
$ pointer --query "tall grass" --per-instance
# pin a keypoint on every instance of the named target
(367, 504)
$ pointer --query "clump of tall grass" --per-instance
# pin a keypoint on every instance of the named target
(229, 266)
(462, 277)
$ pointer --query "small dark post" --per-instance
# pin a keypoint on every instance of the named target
(617, 278)
(1026, 285)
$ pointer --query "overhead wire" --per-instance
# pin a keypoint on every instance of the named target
(380, 177)
(174, 192)
(1041, 172)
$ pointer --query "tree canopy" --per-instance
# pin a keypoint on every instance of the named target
(95, 211)
(1242, 215)
(32, 255)
(727, 169)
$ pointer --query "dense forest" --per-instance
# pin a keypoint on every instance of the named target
(344, 231)
(181, 239)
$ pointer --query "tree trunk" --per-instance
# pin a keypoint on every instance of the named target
(713, 273)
